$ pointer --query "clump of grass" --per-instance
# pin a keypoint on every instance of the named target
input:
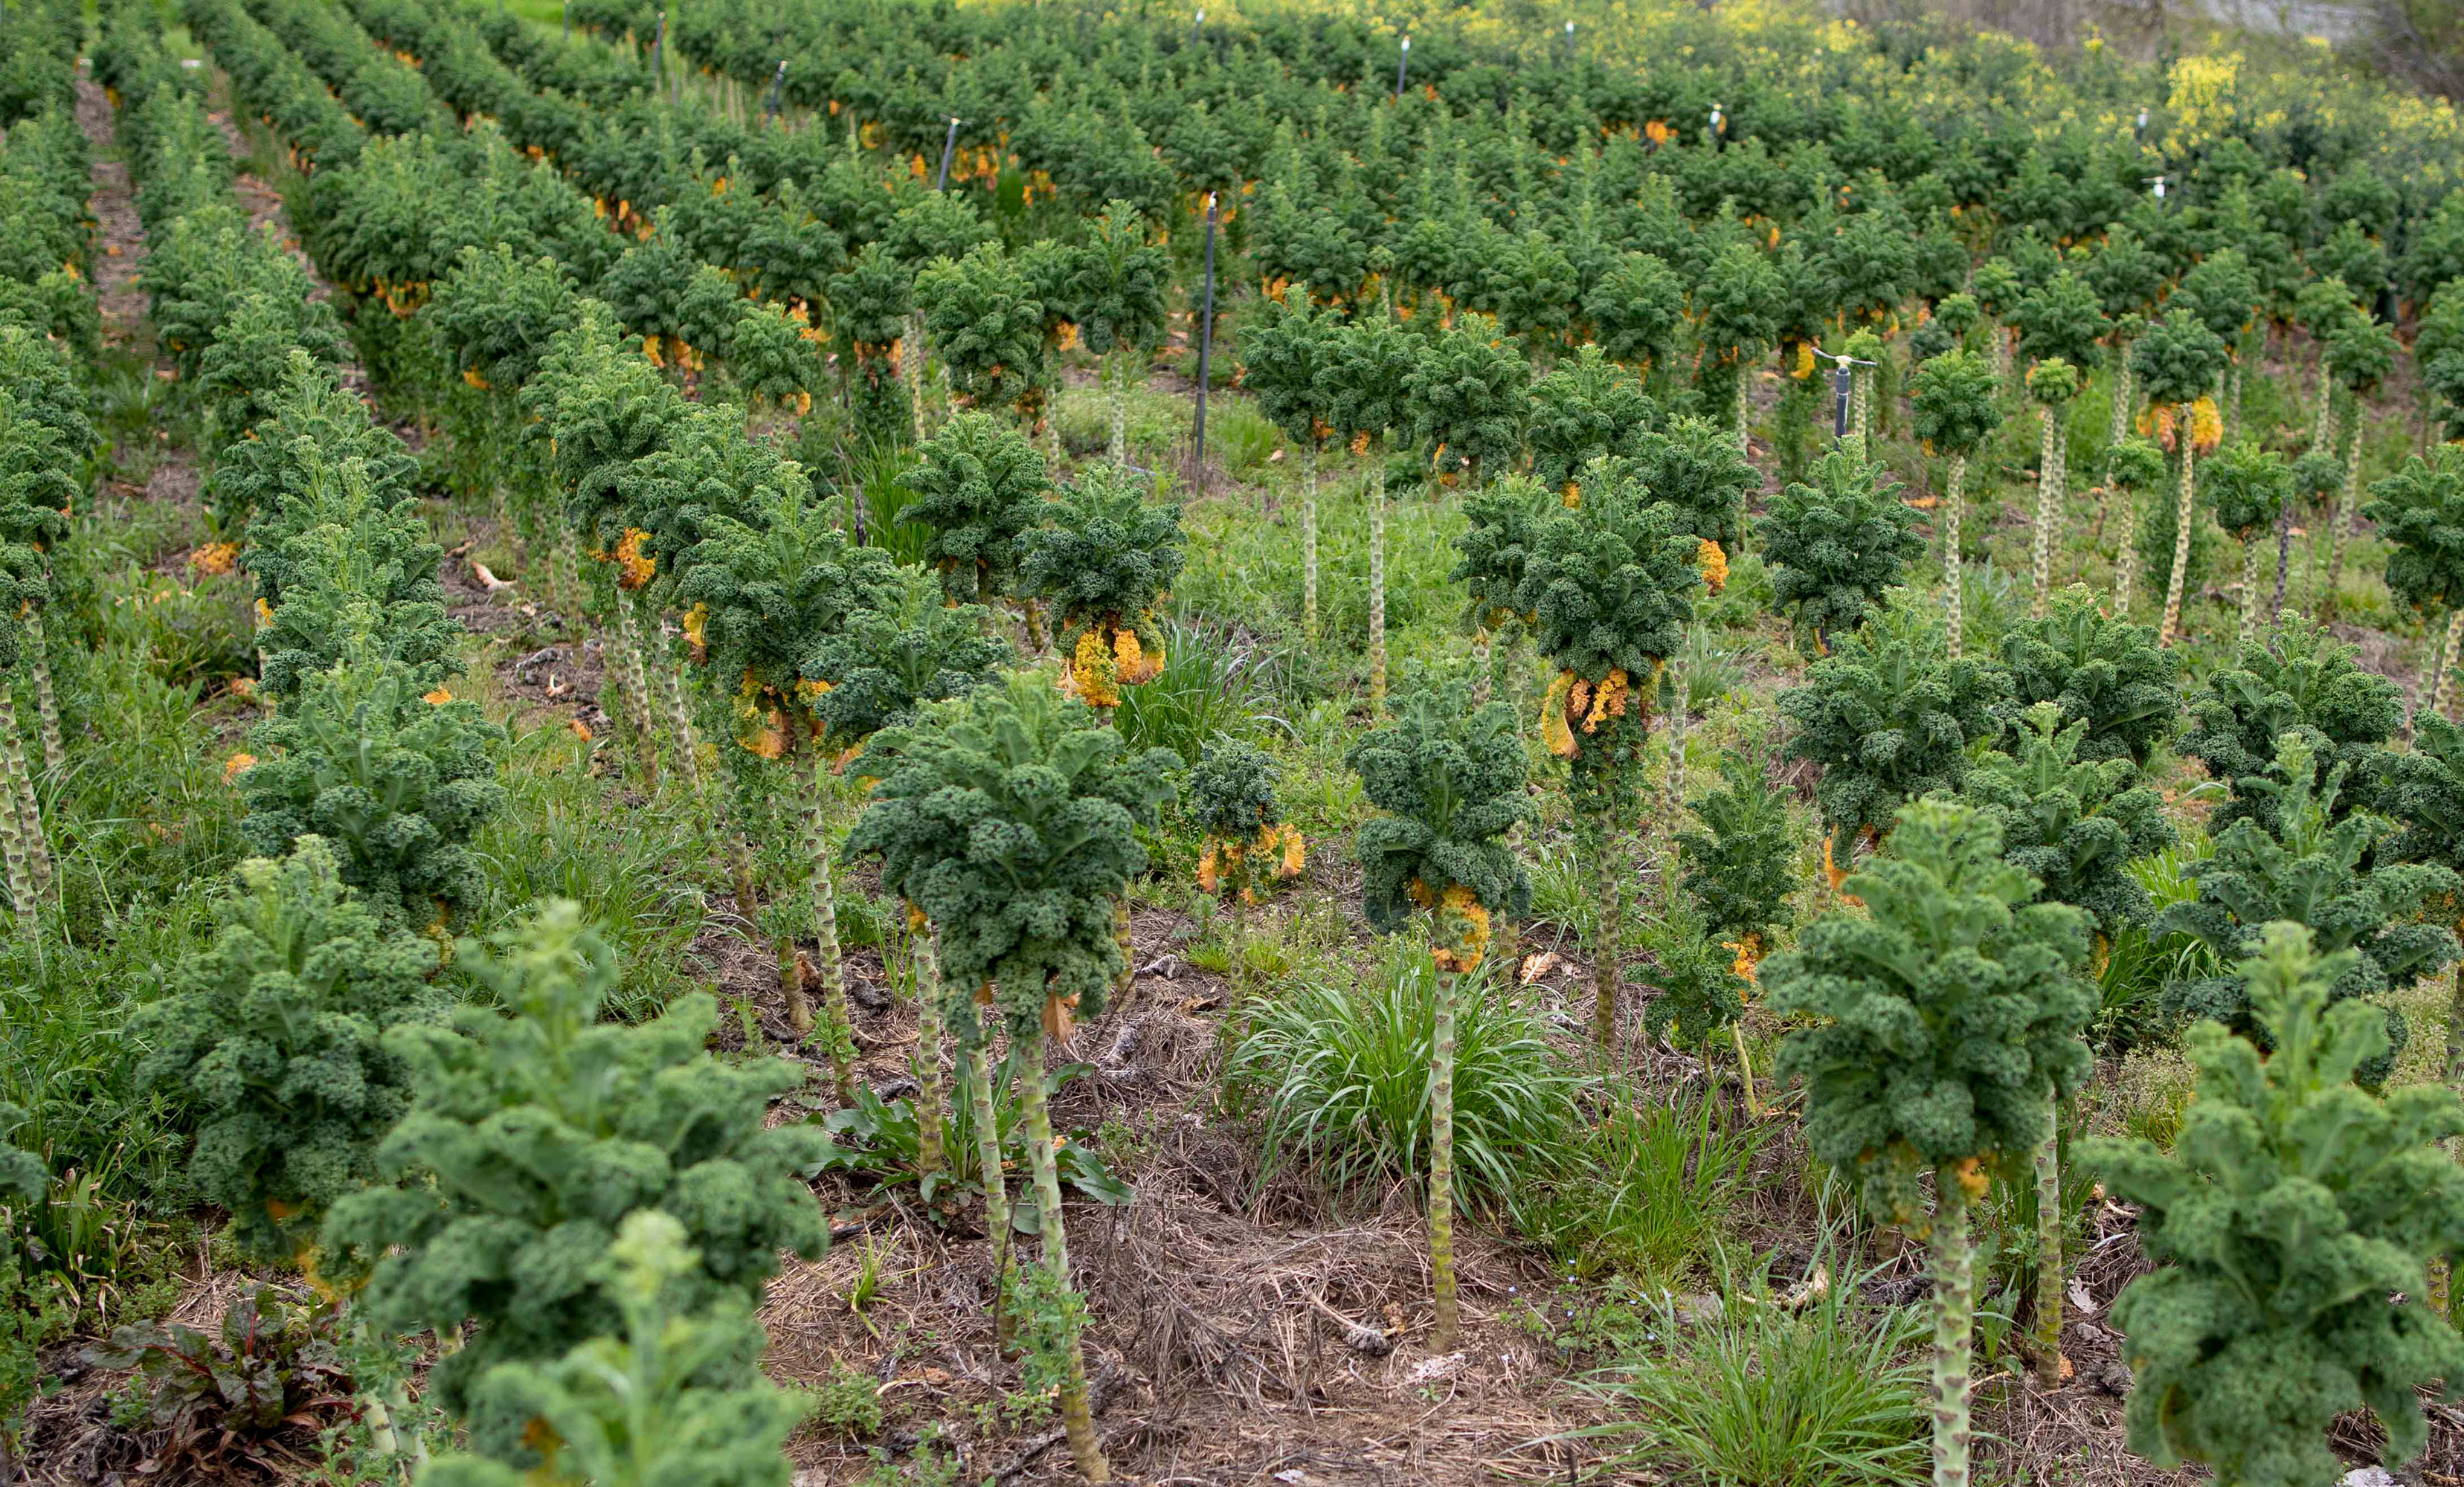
(1338, 1076)
(1241, 437)
(1764, 1395)
(1213, 683)
(1645, 1191)
(871, 473)
(1709, 669)
(1565, 888)
(2136, 965)
(1992, 598)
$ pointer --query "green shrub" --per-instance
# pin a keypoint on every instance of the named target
(535, 1135)
(1106, 558)
(670, 1394)
(2292, 1223)
(1056, 798)
(1834, 545)
(272, 1039)
(395, 782)
(848, 1401)
(977, 488)
(2073, 824)
(1945, 1029)
(1889, 717)
(2322, 873)
(911, 648)
(2107, 673)
(357, 572)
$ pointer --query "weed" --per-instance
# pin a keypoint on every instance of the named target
(848, 1401)
(879, 1139)
(1710, 670)
(871, 475)
(2137, 966)
(1213, 684)
(1992, 598)
(1245, 438)
(1645, 1191)
(1339, 1077)
(1618, 1318)
(926, 1467)
(1761, 1395)
(1565, 888)
(1743, 601)
(1050, 1317)
(273, 1370)
(867, 1285)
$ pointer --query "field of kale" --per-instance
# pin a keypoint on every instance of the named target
(769, 743)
